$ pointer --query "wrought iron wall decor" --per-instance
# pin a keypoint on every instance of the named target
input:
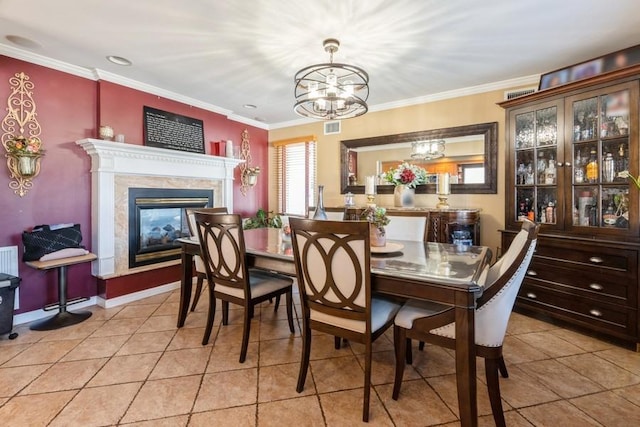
(248, 174)
(21, 135)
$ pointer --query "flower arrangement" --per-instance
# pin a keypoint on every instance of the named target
(376, 216)
(23, 146)
(406, 174)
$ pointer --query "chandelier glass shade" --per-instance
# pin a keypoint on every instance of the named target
(427, 150)
(331, 90)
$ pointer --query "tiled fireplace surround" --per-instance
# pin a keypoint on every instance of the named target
(116, 167)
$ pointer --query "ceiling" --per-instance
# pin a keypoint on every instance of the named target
(226, 54)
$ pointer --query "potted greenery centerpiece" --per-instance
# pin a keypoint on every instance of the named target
(263, 219)
(378, 219)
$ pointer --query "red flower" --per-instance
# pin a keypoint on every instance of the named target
(407, 176)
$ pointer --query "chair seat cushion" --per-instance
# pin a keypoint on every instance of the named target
(382, 310)
(414, 309)
(261, 282)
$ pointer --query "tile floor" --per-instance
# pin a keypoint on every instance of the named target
(129, 365)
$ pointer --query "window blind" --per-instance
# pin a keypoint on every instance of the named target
(296, 174)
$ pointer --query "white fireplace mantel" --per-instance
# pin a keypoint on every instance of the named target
(111, 159)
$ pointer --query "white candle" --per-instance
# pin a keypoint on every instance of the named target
(370, 185)
(229, 148)
(443, 183)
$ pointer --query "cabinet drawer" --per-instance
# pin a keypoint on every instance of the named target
(599, 256)
(590, 281)
(599, 314)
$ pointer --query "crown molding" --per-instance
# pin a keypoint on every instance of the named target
(45, 61)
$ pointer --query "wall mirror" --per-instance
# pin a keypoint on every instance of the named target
(470, 156)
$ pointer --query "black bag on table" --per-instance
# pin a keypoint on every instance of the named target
(45, 239)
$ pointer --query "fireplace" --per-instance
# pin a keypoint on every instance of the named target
(157, 218)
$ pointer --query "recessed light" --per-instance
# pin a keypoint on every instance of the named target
(250, 106)
(23, 42)
(119, 60)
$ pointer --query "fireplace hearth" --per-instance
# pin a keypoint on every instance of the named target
(157, 219)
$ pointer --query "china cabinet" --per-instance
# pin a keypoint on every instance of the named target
(565, 150)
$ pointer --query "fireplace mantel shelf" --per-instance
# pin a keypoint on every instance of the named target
(112, 159)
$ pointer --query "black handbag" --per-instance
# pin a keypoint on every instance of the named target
(44, 239)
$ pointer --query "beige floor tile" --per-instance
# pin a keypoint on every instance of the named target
(417, 405)
(79, 331)
(227, 389)
(512, 419)
(609, 409)
(279, 382)
(523, 390)
(163, 398)
(583, 341)
(95, 348)
(516, 351)
(187, 338)
(34, 410)
(115, 326)
(627, 359)
(97, 406)
(43, 352)
(156, 299)
(12, 380)
(322, 347)
(232, 333)
(159, 323)
(65, 376)
(433, 361)
(338, 373)
(197, 319)
(100, 313)
(227, 357)
(286, 350)
(179, 421)
(125, 369)
(383, 368)
(180, 363)
(381, 344)
(601, 371)
(303, 411)
(549, 414)
(561, 378)
(520, 324)
(344, 408)
(9, 351)
(550, 344)
(276, 329)
(25, 336)
(167, 309)
(137, 310)
(146, 342)
(243, 416)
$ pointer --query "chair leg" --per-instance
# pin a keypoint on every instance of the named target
(409, 356)
(400, 341)
(337, 343)
(196, 297)
(306, 351)
(367, 382)
(225, 313)
(210, 315)
(246, 330)
(277, 304)
(289, 302)
(421, 346)
(503, 368)
(491, 367)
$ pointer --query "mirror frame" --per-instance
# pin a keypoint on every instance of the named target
(488, 130)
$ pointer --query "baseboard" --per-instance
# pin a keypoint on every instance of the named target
(34, 315)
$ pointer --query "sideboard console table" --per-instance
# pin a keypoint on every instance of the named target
(428, 224)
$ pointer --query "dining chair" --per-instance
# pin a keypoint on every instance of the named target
(435, 323)
(224, 255)
(333, 262)
(201, 272)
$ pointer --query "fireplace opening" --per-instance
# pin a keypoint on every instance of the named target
(157, 218)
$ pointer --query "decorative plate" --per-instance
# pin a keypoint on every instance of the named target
(390, 247)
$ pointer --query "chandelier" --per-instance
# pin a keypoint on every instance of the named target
(427, 150)
(331, 91)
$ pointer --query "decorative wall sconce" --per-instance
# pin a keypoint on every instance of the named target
(23, 152)
(248, 174)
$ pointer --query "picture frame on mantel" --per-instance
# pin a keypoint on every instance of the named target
(172, 131)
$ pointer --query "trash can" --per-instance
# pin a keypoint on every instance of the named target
(8, 285)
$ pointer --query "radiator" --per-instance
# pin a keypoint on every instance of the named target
(9, 265)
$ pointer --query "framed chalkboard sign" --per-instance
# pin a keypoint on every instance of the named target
(173, 131)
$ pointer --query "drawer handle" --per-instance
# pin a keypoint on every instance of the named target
(596, 286)
(531, 273)
(596, 260)
(532, 295)
(596, 313)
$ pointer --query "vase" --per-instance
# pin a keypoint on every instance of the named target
(26, 165)
(320, 212)
(376, 237)
(404, 196)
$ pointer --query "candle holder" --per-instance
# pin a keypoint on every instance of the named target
(370, 190)
(371, 200)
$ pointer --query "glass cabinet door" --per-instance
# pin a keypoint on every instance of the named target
(538, 145)
(600, 147)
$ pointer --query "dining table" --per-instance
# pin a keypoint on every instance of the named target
(442, 272)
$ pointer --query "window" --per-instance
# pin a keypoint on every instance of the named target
(296, 174)
(473, 173)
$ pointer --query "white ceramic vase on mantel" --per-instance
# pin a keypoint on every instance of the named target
(404, 196)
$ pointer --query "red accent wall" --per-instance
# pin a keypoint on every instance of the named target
(70, 108)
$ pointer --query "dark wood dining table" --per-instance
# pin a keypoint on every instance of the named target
(440, 272)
